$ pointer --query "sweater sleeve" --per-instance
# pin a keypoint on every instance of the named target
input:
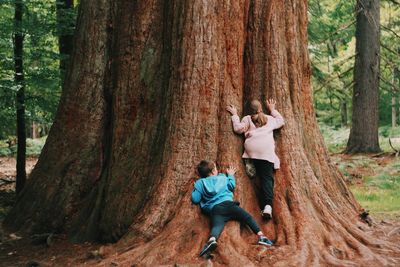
(231, 182)
(196, 195)
(278, 119)
(240, 126)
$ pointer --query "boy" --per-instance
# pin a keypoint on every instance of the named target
(214, 193)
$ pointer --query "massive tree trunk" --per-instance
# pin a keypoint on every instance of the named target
(20, 97)
(364, 129)
(145, 101)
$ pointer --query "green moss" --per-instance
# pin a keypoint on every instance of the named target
(147, 66)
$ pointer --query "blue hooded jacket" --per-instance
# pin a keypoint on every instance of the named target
(213, 190)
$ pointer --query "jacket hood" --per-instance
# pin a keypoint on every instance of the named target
(212, 186)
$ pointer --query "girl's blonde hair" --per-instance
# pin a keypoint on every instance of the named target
(257, 115)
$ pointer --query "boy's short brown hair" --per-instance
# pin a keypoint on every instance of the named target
(205, 168)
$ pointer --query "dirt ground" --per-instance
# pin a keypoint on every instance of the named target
(18, 250)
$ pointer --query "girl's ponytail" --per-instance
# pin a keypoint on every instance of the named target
(257, 115)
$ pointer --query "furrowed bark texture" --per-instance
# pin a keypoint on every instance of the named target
(145, 102)
(364, 130)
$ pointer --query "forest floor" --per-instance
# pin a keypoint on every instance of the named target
(374, 180)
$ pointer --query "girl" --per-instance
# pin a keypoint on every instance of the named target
(260, 145)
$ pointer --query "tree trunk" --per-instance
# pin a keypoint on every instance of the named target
(394, 93)
(396, 75)
(145, 101)
(65, 35)
(20, 98)
(364, 129)
(343, 112)
(35, 133)
(394, 111)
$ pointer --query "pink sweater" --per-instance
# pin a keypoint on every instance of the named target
(259, 143)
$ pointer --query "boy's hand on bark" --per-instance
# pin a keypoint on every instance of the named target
(231, 109)
(231, 170)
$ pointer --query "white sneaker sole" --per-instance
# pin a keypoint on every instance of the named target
(210, 248)
(263, 243)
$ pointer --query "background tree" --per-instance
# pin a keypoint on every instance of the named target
(390, 60)
(65, 30)
(332, 51)
(147, 94)
(20, 101)
(41, 69)
(364, 130)
(331, 32)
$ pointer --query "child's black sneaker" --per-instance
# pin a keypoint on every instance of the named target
(264, 241)
(210, 246)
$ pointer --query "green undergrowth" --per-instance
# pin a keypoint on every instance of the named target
(380, 195)
(374, 180)
(375, 183)
(336, 138)
(33, 147)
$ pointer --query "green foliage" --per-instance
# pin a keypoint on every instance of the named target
(332, 52)
(331, 34)
(374, 181)
(380, 194)
(41, 62)
(336, 138)
(33, 147)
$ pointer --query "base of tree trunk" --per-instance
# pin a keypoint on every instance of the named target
(145, 100)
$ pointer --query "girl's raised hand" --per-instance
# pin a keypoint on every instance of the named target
(270, 104)
(231, 109)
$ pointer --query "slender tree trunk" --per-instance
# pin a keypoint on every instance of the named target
(35, 130)
(20, 99)
(65, 24)
(364, 129)
(396, 75)
(145, 102)
(394, 93)
(394, 111)
(343, 112)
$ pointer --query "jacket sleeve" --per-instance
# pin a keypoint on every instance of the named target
(231, 182)
(196, 195)
(240, 126)
(278, 119)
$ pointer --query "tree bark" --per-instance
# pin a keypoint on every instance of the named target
(65, 34)
(394, 93)
(145, 101)
(343, 112)
(20, 97)
(364, 129)
(35, 132)
(394, 111)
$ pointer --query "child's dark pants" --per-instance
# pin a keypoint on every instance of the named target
(227, 211)
(265, 170)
